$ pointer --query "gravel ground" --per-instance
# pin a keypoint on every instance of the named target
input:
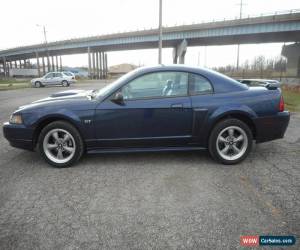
(146, 200)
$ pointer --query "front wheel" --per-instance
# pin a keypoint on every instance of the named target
(38, 84)
(230, 141)
(60, 144)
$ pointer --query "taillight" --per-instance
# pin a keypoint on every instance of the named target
(281, 104)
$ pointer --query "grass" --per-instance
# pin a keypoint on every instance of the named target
(12, 81)
(10, 86)
(291, 100)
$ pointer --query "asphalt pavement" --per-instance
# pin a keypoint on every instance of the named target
(181, 200)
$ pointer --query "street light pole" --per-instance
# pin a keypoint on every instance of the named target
(44, 31)
(45, 34)
(46, 45)
(160, 33)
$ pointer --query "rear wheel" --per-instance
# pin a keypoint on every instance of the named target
(60, 144)
(230, 141)
(65, 83)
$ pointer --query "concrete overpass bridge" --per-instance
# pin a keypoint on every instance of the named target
(279, 27)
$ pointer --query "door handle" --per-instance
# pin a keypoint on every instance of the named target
(177, 105)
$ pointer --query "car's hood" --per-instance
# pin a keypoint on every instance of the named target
(68, 94)
(37, 79)
(70, 98)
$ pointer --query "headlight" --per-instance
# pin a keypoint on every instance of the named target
(16, 119)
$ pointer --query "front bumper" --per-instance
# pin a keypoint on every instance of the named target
(271, 127)
(18, 135)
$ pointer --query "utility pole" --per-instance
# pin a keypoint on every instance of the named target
(238, 47)
(160, 33)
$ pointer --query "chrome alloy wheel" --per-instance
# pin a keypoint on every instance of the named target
(59, 145)
(232, 143)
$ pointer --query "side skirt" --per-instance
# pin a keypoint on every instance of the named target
(135, 150)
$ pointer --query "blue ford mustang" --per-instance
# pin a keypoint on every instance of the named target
(162, 108)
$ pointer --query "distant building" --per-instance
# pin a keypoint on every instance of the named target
(121, 69)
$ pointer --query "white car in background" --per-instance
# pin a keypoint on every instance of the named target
(54, 78)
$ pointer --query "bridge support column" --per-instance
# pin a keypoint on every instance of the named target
(44, 67)
(60, 62)
(89, 62)
(53, 64)
(16, 65)
(4, 66)
(101, 65)
(292, 53)
(38, 63)
(56, 59)
(29, 65)
(105, 66)
(48, 62)
(93, 65)
(97, 65)
(179, 52)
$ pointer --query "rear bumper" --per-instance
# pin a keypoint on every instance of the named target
(271, 127)
(18, 136)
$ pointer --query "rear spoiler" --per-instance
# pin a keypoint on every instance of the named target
(272, 86)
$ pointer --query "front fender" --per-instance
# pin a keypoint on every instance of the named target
(76, 118)
(35, 118)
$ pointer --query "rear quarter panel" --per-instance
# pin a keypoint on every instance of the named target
(254, 103)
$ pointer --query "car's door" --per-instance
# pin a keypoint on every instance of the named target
(49, 78)
(203, 102)
(58, 78)
(156, 111)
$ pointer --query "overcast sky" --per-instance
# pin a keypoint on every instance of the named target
(69, 19)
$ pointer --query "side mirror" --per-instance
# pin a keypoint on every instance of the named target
(118, 98)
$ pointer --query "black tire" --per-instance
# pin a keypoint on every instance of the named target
(38, 84)
(79, 145)
(65, 83)
(221, 126)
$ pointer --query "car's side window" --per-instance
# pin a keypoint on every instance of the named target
(58, 75)
(50, 75)
(155, 85)
(199, 85)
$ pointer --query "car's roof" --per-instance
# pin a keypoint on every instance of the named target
(221, 83)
